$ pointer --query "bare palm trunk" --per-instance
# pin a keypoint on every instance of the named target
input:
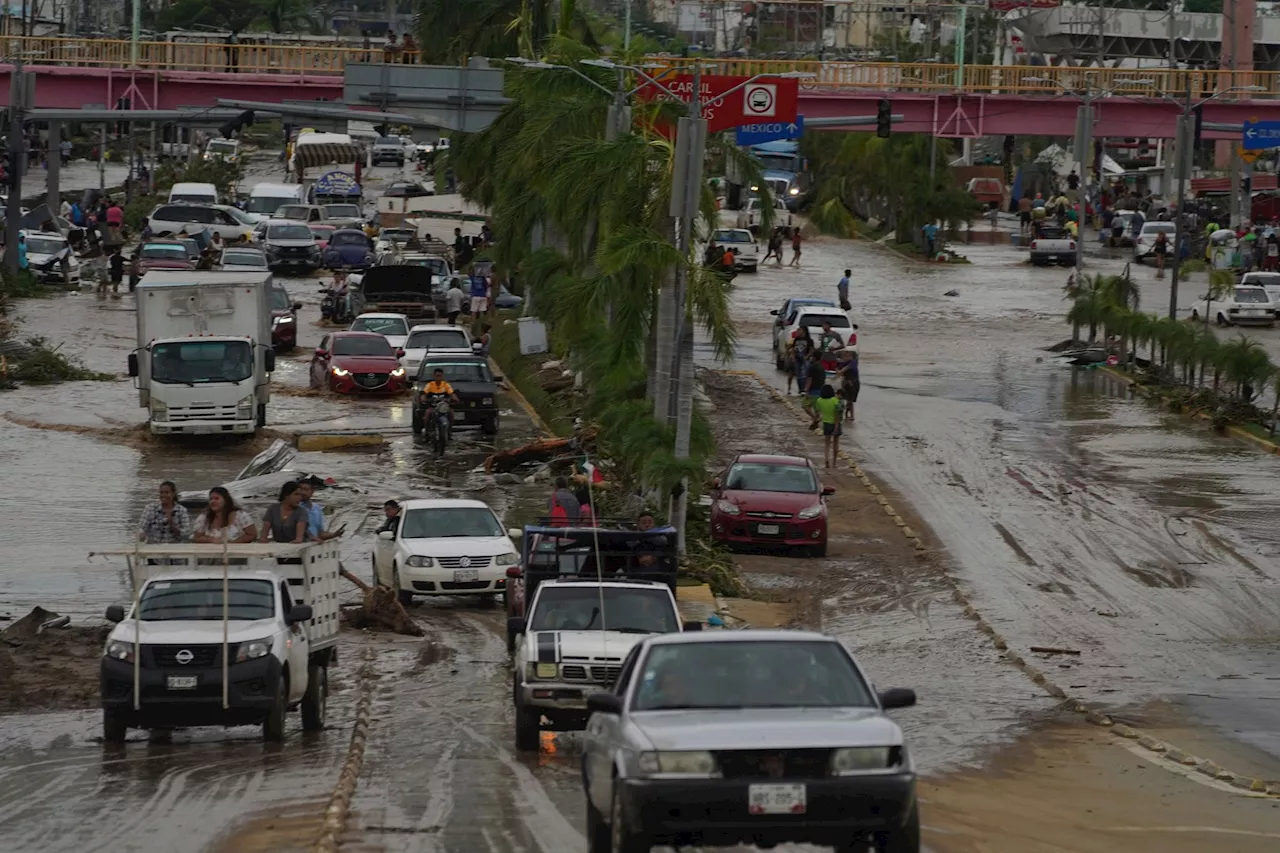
(684, 422)
(665, 329)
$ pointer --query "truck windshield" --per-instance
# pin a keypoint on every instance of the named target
(472, 371)
(447, 522)
(341, 211)
(192, 362)
(289, 232)
(266, 204)
(45, 245)
(201, 599)
(639, 610)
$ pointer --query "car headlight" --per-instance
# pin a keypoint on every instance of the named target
(287, 318)
(859, 759)
(340, 371)
(244, 409)
(811, 512)
(728, 508)
(691, 763)
(159, 410)
(506, 559)
(486, 401)
(795, 191)
(418, 562)
(545, 670)
(253, 650)
(119, 650)
(398, 372)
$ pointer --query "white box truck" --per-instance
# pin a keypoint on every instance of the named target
(204, 355)
(222, 635)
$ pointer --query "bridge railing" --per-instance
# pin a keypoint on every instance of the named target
(922, 77)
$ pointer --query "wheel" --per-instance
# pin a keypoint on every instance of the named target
(273, 725)
(623, 840)
(114, 728)
(904, 839)
(373, 568)
(262, 415)
(402, 595)
(316, 699)
(415, 423)
(819, 550)
(1222, 320)
(1137, 259)
(511, 642)
(488, 600)
(598, 837)
(439, 436)
(490, 427)
(528, 728)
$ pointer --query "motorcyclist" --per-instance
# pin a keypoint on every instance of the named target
(439, 387)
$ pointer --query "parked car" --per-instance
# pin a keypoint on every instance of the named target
(746, 252)
(988, 192)
(393, 327)
(1053, 246)
(391, 240)
(163, 255)
(388, 149)
(284, 317)
(242, 258)
(812, 317)
(752, 737)
(506, 300)
(783, 315)
(427, 340)
(348, 249)
(289, 245)
(343, 216)
(476, 387)
(1244, 305)
(750, 219)
(225, 150)
(321, 232)
(46, 254)
(1146, 242)
(444, 546)
(1268, 281)
(357, 363)
(770, 500)
(227, 221)
(406, 189)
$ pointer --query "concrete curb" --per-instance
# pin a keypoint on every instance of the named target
(1091, 716)
(520, 399)
(339, 808)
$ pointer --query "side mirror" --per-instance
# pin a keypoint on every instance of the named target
(133, 364)
(897, 697)
(604, 703)
(386, 535)
(301, 613)
(513, 572)
(828, 490)
(475, 347)
(399, 352)
(515, 532)
(297, 306)
(516, 625)
(774, 312)
(115, 613)
(498, 379)
(715, 484)
(321, 353)
(691, 625)
(269, 360)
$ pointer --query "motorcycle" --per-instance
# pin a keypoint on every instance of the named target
(334, 307)
(441, 425)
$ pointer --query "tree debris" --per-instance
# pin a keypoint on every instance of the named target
(1046, 650)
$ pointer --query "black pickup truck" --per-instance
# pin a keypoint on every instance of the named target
(475, 385)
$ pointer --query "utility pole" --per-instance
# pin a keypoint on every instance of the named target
(1184, 150)
(53, 196)
(626, 34)
(17, 161)
(135, 27)
(960, 27)
(1084, 134)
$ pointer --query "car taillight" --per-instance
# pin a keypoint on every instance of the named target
(1033, 244)
(1071, 245)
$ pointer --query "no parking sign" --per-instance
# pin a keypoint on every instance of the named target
(760, 100)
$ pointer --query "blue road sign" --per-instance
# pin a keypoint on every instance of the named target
(1260, 135)
(755, 134)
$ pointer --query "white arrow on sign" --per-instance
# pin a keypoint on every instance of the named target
(792, 127)
(1251, 133)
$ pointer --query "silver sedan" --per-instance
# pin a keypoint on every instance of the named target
(764, 737)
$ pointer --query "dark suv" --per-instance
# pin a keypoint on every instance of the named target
(476, 387)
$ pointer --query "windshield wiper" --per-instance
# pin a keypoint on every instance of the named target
(636, 630)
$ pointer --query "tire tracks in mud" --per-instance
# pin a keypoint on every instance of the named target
(1132, 736)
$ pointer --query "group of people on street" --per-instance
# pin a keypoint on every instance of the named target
(295, 518)
(780, 236)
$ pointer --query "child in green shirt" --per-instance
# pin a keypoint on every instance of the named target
(827, 408)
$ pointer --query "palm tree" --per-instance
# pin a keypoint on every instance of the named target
(450, 31)
(1245, 363)
(1220, 284)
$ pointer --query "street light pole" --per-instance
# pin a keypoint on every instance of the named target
(17, 162)
(1183, 149)
(1084, 135)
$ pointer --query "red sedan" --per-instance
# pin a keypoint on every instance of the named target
(358, 363)
(322, 233)
(771, 500)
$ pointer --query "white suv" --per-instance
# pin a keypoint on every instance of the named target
(443, 546)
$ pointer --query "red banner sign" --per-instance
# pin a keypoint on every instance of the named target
(769, 99)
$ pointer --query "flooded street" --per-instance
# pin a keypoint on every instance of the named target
(1072, 517)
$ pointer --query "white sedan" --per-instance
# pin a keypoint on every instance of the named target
(393, 327)
(444, 546)
(745, 250)
(812, 318)
(1243, 305)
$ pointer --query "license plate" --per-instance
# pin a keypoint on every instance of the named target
(776, 799)
(769, 529)
(1053, 257)
(464, 575)
(182, 682)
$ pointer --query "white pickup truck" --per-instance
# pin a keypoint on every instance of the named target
(1053, 246)
(185, 654)
(567, 646)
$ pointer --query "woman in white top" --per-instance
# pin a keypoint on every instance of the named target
(223, 521)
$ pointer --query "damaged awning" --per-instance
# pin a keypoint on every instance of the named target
(325, 153)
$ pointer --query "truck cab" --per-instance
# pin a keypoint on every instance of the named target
(185, 655)
(573, 641)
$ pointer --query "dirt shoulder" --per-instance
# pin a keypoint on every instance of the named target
(52, 668)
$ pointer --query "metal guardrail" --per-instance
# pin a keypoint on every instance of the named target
(921, 77)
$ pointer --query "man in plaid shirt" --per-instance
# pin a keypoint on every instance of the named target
(167, 520)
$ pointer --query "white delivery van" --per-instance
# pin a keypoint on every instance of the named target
(186, 654)
(204, 358)
(266, 199)
(204, 193)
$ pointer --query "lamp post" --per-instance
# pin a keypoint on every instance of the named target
(1084, 141)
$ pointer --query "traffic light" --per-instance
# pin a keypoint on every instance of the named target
(241, 121)
(884, 118)
(122, 127)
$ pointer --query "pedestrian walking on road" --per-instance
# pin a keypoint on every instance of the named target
(850, 381)
(796, 239)
(117, 271)
(479, 296)
(930, 231)
(166, 520)
(798, 359)
(826, 410)
(454, 299)
(842, 290)
(1024, 215)
(1160, 249)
